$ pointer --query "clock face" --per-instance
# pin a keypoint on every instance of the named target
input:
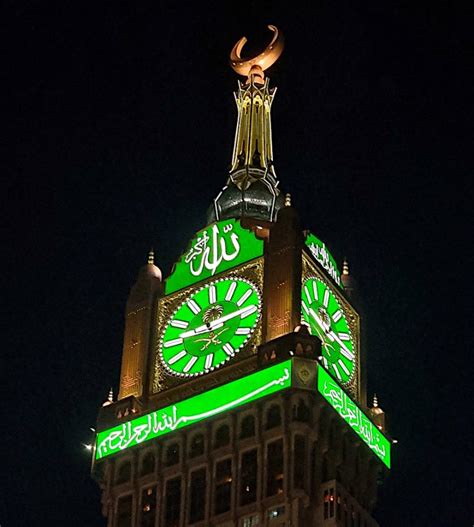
(323, 314)
(210, 327)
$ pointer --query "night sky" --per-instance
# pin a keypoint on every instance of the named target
(119, 121)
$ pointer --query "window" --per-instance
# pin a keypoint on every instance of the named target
(344, 449)
(223, 488)
(250, 521)
(312, 467)
(172, 455)
(248, 475)
(222, 437)
(328, 504)
(247, 427)
(124, 511)
(332, 434)
(325, 470)
(197, 445)
(275, 512)
(173, 502)
(301, 412)
(197, 499)
(274, 467)
(299, 461)
(148, 507)
(273, 417)
(124, 472)
(358, 463)
(148, 464)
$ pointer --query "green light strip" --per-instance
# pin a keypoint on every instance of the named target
(194, 409)
(232, 395)
(353, 416)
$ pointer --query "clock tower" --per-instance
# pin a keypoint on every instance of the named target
(242, 391)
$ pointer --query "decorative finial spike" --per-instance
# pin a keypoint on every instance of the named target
(151, 257)
(288, 200)
(345, 266)
(110, 398)
(375, 402)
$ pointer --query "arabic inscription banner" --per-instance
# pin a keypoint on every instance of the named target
(353, 416)
(194, 409)
(216, 248)
(321, 254)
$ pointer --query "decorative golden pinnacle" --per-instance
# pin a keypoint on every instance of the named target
(151, 257)
(255, 66)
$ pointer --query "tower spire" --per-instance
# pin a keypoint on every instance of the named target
(252, 185)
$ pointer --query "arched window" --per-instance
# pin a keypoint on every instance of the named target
(124, 472)
(148, 464)
(172, 455)
(196, 447)
(301, 412)
(273, 417)
(247, 427)
(222, 437)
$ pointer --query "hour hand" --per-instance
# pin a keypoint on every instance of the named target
(201, 329)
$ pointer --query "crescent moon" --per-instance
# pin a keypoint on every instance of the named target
(265, 59)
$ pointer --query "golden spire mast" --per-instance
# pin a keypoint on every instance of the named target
(253, 147)
(252, 184)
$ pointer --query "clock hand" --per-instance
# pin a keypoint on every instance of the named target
(332, 336)
(219, 321)
(321, 324)
(346, 352)
(215, 324)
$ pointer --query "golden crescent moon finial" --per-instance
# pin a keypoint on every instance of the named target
(260, 62)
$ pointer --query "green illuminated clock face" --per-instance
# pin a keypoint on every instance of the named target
(323, 314)
(210, 327)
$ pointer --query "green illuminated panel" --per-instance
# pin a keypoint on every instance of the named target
(353, 416)
(210, 326)
(321, 254)
(216, 248)
(194, 409)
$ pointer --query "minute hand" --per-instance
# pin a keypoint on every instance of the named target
(218, 322)
(321, 324)
(347, 353)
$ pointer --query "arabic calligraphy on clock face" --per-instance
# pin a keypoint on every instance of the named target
(210, 327)
(325, 317)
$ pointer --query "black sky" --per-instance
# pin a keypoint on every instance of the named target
(119, 122)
